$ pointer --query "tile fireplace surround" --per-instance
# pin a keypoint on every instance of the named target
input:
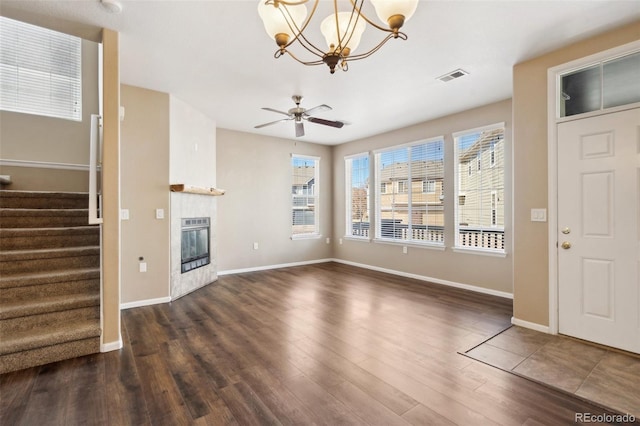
(187, 205)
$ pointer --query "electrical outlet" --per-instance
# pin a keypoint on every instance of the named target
(405, 250)
(340, 241)
(328, 240)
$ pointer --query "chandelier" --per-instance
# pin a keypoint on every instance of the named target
(286, 22)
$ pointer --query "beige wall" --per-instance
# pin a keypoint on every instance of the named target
(144, 173)
(531, 265)
(41, 179)
(492, 273)
(193, 146)
(256, 172)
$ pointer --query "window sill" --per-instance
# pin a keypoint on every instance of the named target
(431, 246)
(306, 237)
(481, 252)
(361, 239)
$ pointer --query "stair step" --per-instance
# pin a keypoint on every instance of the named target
(48, 354)
(34, 323)
(49, 278)
(43, 199)
(48, 336)
(42, 278)
(43, 218)
(33, 292)
(32, 238)
(21, 261)
(43, 305)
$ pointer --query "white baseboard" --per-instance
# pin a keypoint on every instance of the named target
(430, 279)
(43, 165)
(111, 346)
(531, 325)
(267, 267)
(374, 268)
(146, 302)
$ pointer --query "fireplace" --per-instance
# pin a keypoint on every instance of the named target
(195, 243)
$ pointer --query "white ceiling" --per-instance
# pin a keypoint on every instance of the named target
(216, 56)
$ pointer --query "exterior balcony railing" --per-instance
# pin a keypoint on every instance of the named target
(473, 237)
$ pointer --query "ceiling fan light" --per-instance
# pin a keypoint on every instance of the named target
(350, 29)
(275, 19)
(386, 9)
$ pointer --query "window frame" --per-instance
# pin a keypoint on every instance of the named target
(377, 209)
(315, 233)
(426, 183)
(53, 87)
(457, 247)
(348, 169)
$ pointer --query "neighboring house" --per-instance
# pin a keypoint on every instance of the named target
(426, 193)
(481, 182)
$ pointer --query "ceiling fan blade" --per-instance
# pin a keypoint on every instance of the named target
(259, 126)
(322, 107)
(337, 124)
(275, 110)
(299, 129)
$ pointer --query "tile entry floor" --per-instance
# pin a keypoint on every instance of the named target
(605, 376)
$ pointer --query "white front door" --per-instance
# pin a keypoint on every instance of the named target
(598, 229)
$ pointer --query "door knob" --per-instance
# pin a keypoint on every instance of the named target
(566, 245)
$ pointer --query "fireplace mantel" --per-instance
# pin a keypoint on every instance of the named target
(181, 187)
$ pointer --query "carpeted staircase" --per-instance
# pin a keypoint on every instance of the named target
(49, 279)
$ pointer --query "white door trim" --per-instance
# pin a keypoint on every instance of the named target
(553, 87)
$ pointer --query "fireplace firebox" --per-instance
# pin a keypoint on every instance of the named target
(195, 243)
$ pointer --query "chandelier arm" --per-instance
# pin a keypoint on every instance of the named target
(299, 32)
(370, 52)
(318, 62)
(287, 3)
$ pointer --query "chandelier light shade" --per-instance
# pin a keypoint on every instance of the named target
(334, 32)
(286, 22)
(277, 24)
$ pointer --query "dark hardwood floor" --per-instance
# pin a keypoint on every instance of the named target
(322, 344)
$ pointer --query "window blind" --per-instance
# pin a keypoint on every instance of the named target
(40, 71)
(409, 202)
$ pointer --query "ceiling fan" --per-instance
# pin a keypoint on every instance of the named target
(299, 114)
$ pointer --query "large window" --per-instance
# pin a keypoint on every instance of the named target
(40, 71)
(305, 196)
(480, 190)
(409, 204)
(357, 192)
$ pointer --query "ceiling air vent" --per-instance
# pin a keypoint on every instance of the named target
(452, 75)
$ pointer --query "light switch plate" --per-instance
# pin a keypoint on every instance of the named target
(538, 215)
(159, 213)
(124, 214)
